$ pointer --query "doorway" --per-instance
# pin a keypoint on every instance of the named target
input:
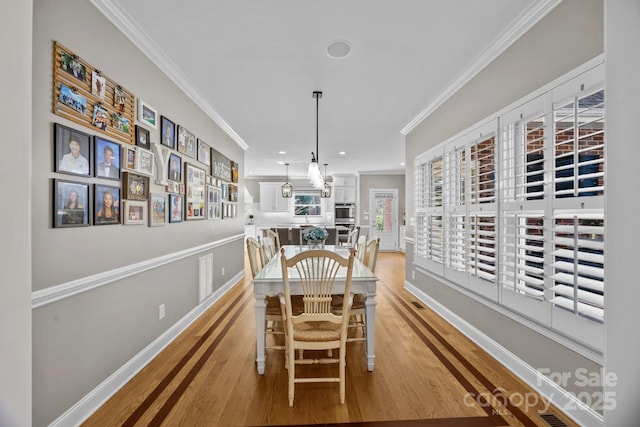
(383, 221)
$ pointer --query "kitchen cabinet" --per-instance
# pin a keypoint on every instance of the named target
(344, 188)
(271, 199)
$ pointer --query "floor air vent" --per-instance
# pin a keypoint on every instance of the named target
(553, 420)
(417, 304)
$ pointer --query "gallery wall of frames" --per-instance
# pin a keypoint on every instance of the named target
(107, 167)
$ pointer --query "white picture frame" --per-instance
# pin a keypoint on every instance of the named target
(144, 161)
(147, 114)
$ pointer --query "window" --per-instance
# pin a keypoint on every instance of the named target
(513, 210)
(307, 204)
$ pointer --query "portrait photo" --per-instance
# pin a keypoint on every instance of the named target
(98, 85)
(186, 142)
(157, 210)
(130, 156)
(71, 203)
(142, 137)
(106, 208)
(175, 168)
(167, 132)
(107, 158)
(176, 207)
(72, 151)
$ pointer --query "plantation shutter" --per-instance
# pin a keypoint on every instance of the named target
(455, 210)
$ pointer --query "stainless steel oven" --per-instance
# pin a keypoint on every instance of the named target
(345, 213)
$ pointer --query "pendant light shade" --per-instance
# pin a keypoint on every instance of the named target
(326, 188)
(287, 188)
(314, 175)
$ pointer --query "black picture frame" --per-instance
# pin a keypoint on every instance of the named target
(103, 214)
(167, 132)
(103, 148)
(71, 203)
(175, 168)
(143, 137)
(66, 138)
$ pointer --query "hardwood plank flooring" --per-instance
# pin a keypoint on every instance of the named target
(426, 374)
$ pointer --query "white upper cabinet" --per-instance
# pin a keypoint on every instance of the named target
(271, 199)
(344, 188)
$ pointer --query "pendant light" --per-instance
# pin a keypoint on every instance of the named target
(287, 189)
(325, 193)
(314, 175)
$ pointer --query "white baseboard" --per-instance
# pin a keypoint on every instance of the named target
(567, 402)
(90, 403)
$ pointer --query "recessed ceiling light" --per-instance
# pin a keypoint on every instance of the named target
(282, 152)
(338, 49)
(402, 164)
(342, 153)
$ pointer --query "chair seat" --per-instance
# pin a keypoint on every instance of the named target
(316, 332)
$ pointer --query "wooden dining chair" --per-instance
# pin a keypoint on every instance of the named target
(332, 237)
(316, 327)
(270, 232)
(273, 313)
(267, 249)
(361, 247)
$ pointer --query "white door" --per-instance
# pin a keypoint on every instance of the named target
(383, 221)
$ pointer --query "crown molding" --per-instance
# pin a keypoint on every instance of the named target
(517, 29)
(147, 46)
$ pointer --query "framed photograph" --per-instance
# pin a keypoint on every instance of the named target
(70, 204)
(73, 66)
(135, 212)
(220, 166)
(100, 117)
(98, 85)
(195, 184)
(176, 205)
(143, 137)
(135, 187)
(118, 121)
(204, 152)
(72, 150)
(147, 114)
(144, 161)
(175, 168)
(130, 157)
(234, 171)
(119, 99)
(233, 193)
(167, 132)
(214, 210)
(224, 191)
(157, 210)
(186, 142)
(72, 99)
(106, 205)
(107, 158)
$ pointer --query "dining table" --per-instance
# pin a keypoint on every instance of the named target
(268, 281)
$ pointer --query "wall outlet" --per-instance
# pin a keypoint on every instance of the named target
(223, 271)
(160, 311)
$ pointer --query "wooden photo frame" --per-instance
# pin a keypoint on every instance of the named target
(176, 207)
(71, 201)
(107, 158)
(72, 150)
(195, 185)
(147, 114)
(135, 187)
(234, 171)
(134, 212)
(186, 142)
(157, 210)
(106, 204)
(175, 168)
(143, 137)
(167, 133)
(204, 153)
(130, 156)
(144, 161)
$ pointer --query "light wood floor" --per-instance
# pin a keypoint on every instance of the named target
(426, 374)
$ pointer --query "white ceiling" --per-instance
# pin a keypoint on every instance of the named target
(253, 65)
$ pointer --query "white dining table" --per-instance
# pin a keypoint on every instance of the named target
(268, 281)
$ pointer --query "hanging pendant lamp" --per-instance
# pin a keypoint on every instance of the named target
(326, 188)
(314, 175)
(287, 188)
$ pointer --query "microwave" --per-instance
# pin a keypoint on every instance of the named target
(345, 211)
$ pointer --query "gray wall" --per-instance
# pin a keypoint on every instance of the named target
(368, 182)
(15, 186)
(79, 341)
(622, 341)
(569, 36)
